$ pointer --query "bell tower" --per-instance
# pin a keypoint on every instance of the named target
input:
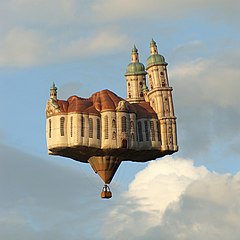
(160, 97)
(135, 79)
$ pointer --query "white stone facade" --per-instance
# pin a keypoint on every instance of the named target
(145, 121)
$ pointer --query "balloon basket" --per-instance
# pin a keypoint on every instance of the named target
(106, 193)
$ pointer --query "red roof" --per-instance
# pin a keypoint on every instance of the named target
(103, 100)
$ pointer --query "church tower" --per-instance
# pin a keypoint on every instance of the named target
(160, 97)
(135, 79)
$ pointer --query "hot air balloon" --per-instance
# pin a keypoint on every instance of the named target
(105, 129)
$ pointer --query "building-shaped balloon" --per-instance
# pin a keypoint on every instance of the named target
(105, 129)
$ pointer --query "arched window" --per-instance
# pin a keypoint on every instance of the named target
(71, 126)
(113, 123)
(50, 128)
(146, 130)
(98, 128)
(140, 135)
(90, 128)
(106, 127)
(158, 131)
(124, 124)
(132, 125)
(62, 120)
(152, 130)
(114, 135)
(82, 126)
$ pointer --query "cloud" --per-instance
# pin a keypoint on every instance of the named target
(109, 9)
(209, 209)
(47, 199)
(169, 199)
(24, 48)
(206, 102)
(42, 32)
(173, 199)
(102, 42)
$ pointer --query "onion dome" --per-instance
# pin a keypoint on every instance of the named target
(155, 58)
(135, 67)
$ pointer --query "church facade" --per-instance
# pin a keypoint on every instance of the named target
(141, 127)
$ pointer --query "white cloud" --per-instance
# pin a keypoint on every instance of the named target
(101, 42)
(169, 199)
(206, 101)
(23, 48)
(172, 199)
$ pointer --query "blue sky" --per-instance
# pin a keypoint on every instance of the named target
(85, 46)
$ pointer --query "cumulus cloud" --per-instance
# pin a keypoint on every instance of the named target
(173, 199)
(169, 199)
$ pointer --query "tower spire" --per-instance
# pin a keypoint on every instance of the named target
(53, 92)
(135, 55)
(153, 47)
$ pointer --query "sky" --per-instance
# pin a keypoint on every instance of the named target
(84, 47)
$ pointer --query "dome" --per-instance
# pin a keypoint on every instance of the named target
(135, 68)
(155, 59)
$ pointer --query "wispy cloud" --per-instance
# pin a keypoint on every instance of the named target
(23, 48)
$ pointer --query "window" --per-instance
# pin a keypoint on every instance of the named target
(158, 131)
(106, 127)
(141, 94)
(140, 83)
(90, 128)
(71, 126)
(152, 130)
(161, 73)
(146, 130)
(113, 123)
(50, 128)
(82, 126)
(140, 135)
(128, 84)
(132, 125)
(124, 124)
(114, 135)
(98, 128)
(62, 120)
(129, 95)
